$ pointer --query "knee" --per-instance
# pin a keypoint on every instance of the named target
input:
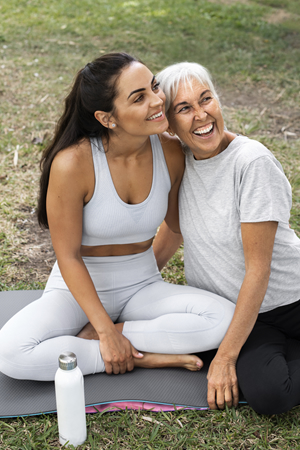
(268, 400)
(265, 394)
(7, 344)
(12, 355)
(220, 315)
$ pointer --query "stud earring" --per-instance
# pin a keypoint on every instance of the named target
(113, 125)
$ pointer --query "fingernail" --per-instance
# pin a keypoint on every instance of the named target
(140, 354)
(199, 364)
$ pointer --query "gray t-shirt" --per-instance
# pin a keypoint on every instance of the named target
(244, 183)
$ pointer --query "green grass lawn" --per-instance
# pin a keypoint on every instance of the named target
(252, 48)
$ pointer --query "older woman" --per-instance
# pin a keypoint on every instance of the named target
(234, 206)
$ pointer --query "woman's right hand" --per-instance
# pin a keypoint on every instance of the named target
(117, 352)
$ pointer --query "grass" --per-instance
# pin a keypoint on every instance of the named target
(252, 49)
(231, 429)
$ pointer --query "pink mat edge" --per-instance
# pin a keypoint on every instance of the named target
(131, 405)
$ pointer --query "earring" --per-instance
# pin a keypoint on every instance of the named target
(171, 133)
(113, 125)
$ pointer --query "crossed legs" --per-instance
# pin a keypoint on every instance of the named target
(32, 340)
(157, 317)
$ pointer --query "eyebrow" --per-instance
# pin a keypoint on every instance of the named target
(185, 103)
(141, 89)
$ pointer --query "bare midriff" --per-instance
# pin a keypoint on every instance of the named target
(116, 250)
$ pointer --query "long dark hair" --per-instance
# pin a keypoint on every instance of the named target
(94, 89)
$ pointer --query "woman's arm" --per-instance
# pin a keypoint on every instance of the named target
(258, 241)
(165, 244)
(168, 237)
(69, 186)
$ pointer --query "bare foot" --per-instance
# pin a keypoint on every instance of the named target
(156, 360)
(150, 360)
(88, 332)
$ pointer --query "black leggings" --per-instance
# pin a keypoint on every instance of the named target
(268, 368)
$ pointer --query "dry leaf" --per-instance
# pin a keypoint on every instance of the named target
(16, 156)
(44, 98)
(149, 419)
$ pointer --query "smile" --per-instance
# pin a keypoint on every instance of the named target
(204, 131)
(155, 116)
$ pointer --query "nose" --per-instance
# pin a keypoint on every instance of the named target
(200, 113)
(156, 100)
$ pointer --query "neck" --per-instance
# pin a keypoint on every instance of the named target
(119, 146)
(226, 140)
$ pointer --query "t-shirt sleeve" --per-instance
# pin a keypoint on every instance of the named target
(264, 192)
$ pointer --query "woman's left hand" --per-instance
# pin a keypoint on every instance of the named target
(222, 384)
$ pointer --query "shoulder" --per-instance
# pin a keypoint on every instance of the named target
(173, 154)
(245, 152)
(248, 150)
(71, 160)
(171, 144)
(261, 174)
(72, 171)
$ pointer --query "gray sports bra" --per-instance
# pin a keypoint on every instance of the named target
(109, 220)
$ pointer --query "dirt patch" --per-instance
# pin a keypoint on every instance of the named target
(260, 103)
(37, 249)
(279, 16)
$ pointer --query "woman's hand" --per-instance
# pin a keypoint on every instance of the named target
(222, 386)
(117, 352)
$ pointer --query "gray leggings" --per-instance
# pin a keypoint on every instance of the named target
(159, 317)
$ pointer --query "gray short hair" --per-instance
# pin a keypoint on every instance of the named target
(170, 77)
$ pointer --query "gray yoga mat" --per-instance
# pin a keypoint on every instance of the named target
(168, 386)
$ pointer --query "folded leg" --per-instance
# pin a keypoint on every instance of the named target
(32, 340)
(168, 318)
(268, 370)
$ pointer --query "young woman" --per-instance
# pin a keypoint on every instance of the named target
(234, 208)
(109, 179)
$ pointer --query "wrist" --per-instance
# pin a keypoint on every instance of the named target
(105, 327)
(230, 347)
(226, 357)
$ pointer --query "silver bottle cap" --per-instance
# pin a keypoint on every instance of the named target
(67, 361)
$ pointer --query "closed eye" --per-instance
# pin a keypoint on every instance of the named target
(206, 99)
(184, 109)
(139, 99)
(156, 86)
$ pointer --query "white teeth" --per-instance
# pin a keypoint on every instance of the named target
(155, 116)
(204, 130)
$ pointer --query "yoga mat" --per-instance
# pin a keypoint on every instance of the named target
(159, 386)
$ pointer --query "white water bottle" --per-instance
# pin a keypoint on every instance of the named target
(70, 403)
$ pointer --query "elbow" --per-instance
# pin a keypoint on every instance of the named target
(174, 229)
(261, 272)
(68, 259)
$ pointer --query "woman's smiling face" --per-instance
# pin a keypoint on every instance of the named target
(140, 104)
(196, 117)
